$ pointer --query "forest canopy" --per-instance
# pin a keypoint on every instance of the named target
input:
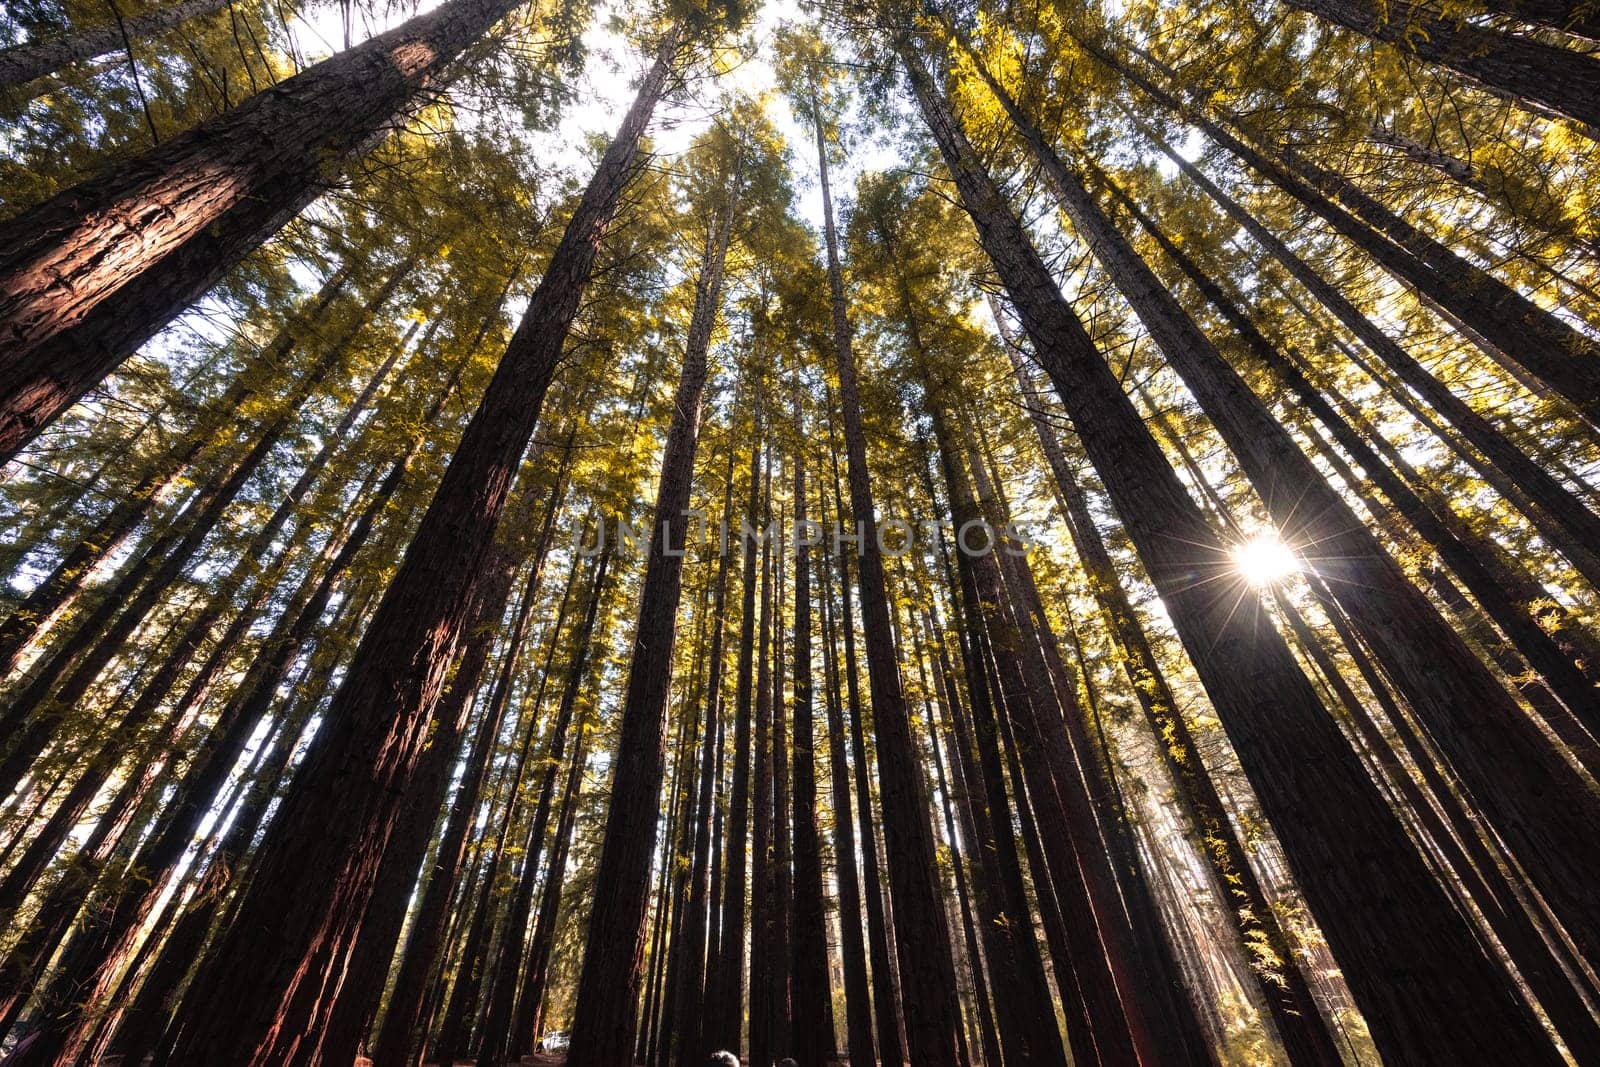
(952, 533)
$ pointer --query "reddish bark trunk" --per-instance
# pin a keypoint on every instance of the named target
(78, 269)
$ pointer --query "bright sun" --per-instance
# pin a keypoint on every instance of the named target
(1264, 560)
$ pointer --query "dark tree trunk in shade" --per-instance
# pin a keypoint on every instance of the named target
(525, 1024)
(886, 1004)
(690, 1001)
(604, 1018)
(1526, 789)
(812, 999)
(1355, 863)
(351, 1014)
(762, 887)
(927, 972)
(1539, 76)
(852, 945)
(975, 963)
(1023, 1002)
(725, 986)
(379, 719)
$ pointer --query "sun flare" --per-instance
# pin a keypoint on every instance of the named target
(1265, 560)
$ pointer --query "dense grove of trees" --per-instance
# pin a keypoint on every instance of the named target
(951, 533)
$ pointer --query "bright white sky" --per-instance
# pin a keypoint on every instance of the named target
(605, 90)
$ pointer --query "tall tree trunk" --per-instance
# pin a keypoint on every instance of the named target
(725, 986)
(290, 929)
(1119, 1026)
(1349, 861)
(1524, 786)
(1543, 77)
(686, 1027)
(1023, 1002)
(782, 841)
(762, 888)
(34, 59)
(75, 269)
(605, 1016)
(927, 972)
(813, 1002)
(891, 1041)
(524, 1030)
(852, 946)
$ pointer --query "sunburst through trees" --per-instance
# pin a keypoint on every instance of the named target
(691, 532)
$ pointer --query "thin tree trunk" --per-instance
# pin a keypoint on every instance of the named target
(762, 889)
(524, 1032)
(686, 1027)
(813, 1003)
(891, 1043)
(725, 986)
(852, 947)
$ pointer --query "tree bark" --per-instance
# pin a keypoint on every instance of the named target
(1538, 76)
(76, 270)
(25, 62)
(927, 972)
(605, 1016)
